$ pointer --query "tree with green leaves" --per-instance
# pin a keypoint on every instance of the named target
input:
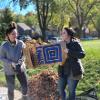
(44, 9)
(60, 17)
(83, 11)
(97, 25)
(19, 18)
(31, 19)
(6, 16)
(96, 20)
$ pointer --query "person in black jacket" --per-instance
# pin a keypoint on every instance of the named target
(72, 70)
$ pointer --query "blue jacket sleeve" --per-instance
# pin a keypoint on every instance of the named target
(3, 56)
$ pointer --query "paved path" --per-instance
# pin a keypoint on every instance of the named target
(3, 94)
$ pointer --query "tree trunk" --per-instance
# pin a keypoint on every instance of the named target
(42, 17)
(43, 30)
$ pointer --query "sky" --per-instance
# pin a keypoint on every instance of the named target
(16, 8)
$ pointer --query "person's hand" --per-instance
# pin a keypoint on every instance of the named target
(20, 61)
(17, 66)
(66, 50)
(23, 67)
(37, 45)
(13, 65)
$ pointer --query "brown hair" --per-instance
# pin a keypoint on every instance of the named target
(70, 31)
(11, 27)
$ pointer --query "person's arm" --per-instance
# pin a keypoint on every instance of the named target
(78, 51)
(22, 58)
(3, 56)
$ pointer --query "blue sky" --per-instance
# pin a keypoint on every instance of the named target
(16, 8)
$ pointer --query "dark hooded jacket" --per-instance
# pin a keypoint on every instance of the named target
(73, 63)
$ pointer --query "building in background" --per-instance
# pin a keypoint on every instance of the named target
(24, 29)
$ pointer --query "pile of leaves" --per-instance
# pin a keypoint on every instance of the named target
(30, 52)
(43, 86)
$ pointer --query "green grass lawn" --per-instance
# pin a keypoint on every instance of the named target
(2, 79)
(91, 64)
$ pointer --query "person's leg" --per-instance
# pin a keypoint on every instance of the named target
(61, 87)
(23, 81)
(10, 79)
(72, 84)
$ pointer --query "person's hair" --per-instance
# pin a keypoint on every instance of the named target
(70, 32)
(10, 28)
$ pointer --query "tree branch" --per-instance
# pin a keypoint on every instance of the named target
(49, 18)
(38, 14)
(73, 9)
(90, 8)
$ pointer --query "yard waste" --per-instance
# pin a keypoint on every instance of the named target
(43, 86)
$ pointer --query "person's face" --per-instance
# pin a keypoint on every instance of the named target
(64, 35)
(13, 35)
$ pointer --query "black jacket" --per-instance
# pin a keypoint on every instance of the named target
(73, 62)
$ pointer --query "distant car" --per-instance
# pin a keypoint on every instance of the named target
(24, 38)
(55, 39)
(28, 37)
(87, 38)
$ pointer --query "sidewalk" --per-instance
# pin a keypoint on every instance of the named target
(3, 94)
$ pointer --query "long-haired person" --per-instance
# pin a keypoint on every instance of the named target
(11, 54)
(72, 70)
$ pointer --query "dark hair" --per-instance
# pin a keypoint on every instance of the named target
(10, 28)
(70, 31)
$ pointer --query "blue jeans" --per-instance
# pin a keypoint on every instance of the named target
(10, 79)
(72, 84)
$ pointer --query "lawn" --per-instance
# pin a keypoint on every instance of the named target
(91, 64)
